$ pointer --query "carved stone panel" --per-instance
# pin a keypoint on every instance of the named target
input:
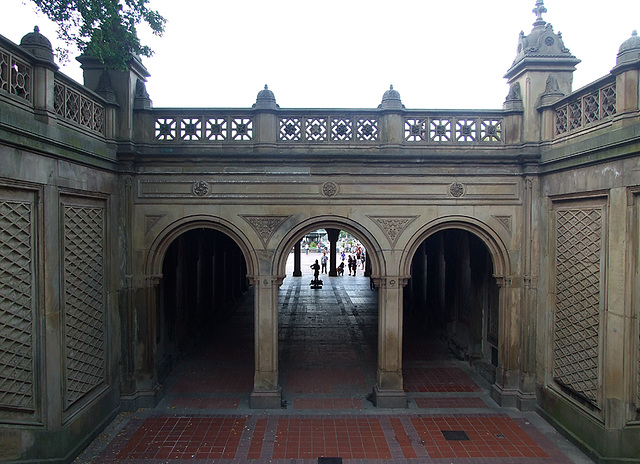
(17, 301)
(577, 325)
(392, 226)
(84, 298)
(265, 226)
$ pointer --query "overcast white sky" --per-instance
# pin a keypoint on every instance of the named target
(346, 53)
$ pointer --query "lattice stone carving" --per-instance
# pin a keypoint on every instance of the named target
(466, 130)
(265, 226)
(165, 129)
(367, 129)
(591, 108)
(190, 129)
(241, 129)
(440, 130)
(587, 109)
(290, 129)
(341, 129)
(316, 129)
(561, 120)
(4, 71)
(577, 322)
(414, 129)
(20, 79)
(491, 130)
(16, 306)
(392, 226)
(75, 107)
(216, 129)
(575, 115)
(84, 301)
(608, 101)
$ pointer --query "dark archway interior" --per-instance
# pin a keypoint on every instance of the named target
(204, 279)
(452, 297)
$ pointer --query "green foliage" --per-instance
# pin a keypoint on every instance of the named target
(103, 29)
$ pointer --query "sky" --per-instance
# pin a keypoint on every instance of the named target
(346, 53)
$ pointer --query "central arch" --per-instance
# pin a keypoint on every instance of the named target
(346, 334)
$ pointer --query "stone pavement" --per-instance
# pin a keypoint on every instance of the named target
(328, 349)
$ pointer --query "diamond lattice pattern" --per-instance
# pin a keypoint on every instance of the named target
(16, 306)
(84, 300)
(577, 322)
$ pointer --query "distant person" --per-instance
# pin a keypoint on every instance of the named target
(323, 261)
(316, 270)
(306, 249)
(340, 269)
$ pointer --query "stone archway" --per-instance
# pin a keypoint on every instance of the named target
(388, 390)
(506, 387)
(150, 305)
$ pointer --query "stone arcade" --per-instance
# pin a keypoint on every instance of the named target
(103, 199)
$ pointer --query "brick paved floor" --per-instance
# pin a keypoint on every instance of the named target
(327, 355)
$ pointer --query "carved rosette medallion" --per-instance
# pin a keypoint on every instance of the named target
(456, 189)
(201, 188)
(265, 226)
(392, 226)
(329, 189)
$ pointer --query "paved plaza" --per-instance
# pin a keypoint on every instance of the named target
(328, 349)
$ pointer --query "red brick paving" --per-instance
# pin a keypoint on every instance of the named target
(328, 403)
(185, 438)
(489, 436)
(450, 402)
(349, 438)
(204, 403)
(438, 379)
(320, 377)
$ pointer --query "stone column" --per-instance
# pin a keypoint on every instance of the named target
(145, 391)
(266, 391)
(506, 389)
(333, 239)
(389, 390)
(297, 268)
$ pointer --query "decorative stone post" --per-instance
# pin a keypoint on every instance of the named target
(540, 54)
(44, 70)
(266, 391)
(125, 87)
(391, 120)
(265, 120)
(389, 390)
(627, 72)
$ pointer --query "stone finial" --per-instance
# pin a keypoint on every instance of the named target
(141, 98)
(391, 100)
(538, 10)
(629, 51)
(37, 44)
(266, 99)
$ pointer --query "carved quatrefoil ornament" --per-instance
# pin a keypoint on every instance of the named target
(200, 188)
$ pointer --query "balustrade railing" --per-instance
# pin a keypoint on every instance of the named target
(329, 127)
(586, 107)
(16, 76)
(215, 126)
(74, 103)
(464, 128)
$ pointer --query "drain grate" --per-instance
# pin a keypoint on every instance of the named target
(329, 460)
(455, 435)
